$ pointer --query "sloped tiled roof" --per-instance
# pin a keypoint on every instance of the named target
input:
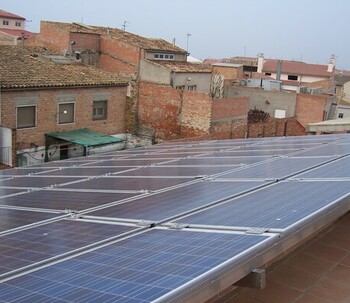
(120, 35)
(5, 14)
(184, 67)
(296, 68)
(31, 67)
(16, 32)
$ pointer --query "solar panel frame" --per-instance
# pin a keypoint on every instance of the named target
(148, 266)
(28, 248)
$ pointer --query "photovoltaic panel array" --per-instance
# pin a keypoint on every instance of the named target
(173, 222)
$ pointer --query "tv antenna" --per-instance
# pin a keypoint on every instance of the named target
(124, 24)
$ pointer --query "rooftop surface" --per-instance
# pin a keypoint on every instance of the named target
(118, 34)
(33, 67)
(174, 222)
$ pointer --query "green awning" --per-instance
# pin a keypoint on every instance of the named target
(85, 137)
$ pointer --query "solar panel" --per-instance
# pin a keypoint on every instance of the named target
(337, 169)
(186, 217)
(62, 200)
(226, 161)
(277, 206)
(139, 269)
(278, 168)
(175, 171)
(40, 243)
(14, 218)
(129, 183)
(327, 150)
(36, 181)
(176, 201)
(85, 171)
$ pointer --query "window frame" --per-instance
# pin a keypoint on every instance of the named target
(293, 77)
(61, 111)
(5, 22)
(34, 118)
(18, 24)
(104, 108)
(163, 56)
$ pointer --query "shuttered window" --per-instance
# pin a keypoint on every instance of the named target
(26, 116)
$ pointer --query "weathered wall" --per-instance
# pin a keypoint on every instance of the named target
(228, 72)
(313, 108)
(276, 128)
(47, 113)
(151, 72)
(229, 118)
(117, 56)
(267, 101)
(53, 37)
(172, 113)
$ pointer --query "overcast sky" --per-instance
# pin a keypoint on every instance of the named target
(307, 30)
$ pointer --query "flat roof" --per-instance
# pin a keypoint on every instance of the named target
(174, 222)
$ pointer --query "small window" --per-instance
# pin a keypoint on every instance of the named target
(18, 24)
(192, 88)
(99, 110)
(5, 22)
(26, 116)
(180, 87)
(292, 77)
(341, 115)
(65, 113)
(163, 56)
(267, 74)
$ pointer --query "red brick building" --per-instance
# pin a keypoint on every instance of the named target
(151, 111)
(42, 93)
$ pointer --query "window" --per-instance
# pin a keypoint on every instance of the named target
(26, 116)
(65, 113)
(267, 74)
(192, 88)
(5, 22)
(180, 87)
(160, 56)
(292, 77)
(18, 24)
(341, 115)
(99, 111)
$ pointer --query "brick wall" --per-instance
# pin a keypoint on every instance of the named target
(53, 37)
(47, 109)
(172, 113)
(311, 108)
(229, 118)
(276, 128)
(117, 56)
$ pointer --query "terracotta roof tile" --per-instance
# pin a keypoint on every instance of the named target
(31, 67)
(16, 32)
(5, 14)
(118, 34)
(297, 68)
(184, 67)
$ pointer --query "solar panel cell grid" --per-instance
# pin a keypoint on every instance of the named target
(269, 208)
(139, 269)
(43, 242)
(176, 201)
(61, 200)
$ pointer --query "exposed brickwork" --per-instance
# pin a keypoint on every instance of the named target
(54, 37)
(276, 128)
(118, 57)
(311, 108)
(231, 73)
(47, 109)
(173, 113)
(229, 118)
